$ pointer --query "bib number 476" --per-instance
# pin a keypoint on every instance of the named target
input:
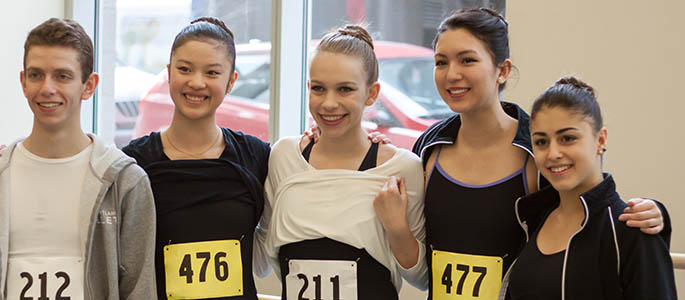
(220, 266)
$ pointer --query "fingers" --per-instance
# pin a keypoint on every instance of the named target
(403, 187)
(652, 230)
(378, 137)
(648, 223)
(640, 209)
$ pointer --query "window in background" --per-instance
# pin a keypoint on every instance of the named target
(145, 30)
(403, 31)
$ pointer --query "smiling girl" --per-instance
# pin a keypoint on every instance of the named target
(478, 163)
(577, 248)
(207, 181)
(327, 234)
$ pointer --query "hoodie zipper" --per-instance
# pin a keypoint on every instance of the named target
(568, 246)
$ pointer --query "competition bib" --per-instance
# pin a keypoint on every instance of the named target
(59, 278)
(203, 270)
(321, 279)
(465, 276)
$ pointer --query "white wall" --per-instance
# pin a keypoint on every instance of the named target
(19, 18)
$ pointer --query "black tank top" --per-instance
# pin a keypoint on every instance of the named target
(204, 200)
(373, 279)
(536, 276)
(473, 219)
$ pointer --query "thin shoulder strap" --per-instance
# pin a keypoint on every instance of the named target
(308, 150)
(371, 158)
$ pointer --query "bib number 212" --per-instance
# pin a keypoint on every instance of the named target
(43, 278)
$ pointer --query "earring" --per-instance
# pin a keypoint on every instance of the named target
(500, 80)
(602, 150)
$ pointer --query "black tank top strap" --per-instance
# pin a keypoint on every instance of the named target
(308, 150)
(370, 160)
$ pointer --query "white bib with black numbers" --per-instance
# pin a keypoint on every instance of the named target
(56, 278)
(321, 279)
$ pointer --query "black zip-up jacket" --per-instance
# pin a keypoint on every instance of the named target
(605, 259)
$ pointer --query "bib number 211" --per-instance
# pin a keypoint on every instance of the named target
(321, 280)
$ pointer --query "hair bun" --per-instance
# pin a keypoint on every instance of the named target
(576, 83)
(214, 21)
(495, 14)
(357, 31)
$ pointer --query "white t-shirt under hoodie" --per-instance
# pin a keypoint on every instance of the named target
(44, 243)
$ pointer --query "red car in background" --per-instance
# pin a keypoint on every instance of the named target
(408, 102)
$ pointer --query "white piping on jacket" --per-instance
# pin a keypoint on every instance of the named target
(613, 229)
(563, 270)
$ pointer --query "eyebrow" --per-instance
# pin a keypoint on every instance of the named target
(59, 70)
(64, 71)
(460, 53)
(180, 60)
(560, 131)
(339, 83)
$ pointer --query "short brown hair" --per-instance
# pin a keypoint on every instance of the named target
(65, 33)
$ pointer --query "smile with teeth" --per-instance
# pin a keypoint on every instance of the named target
(457, 91)
(560, 169)
(332, 117)
(49, 104)
(195, 98)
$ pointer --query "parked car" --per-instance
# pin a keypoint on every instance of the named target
(131, 83)
(408, 102)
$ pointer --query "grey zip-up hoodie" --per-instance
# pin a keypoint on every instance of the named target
(118, 226)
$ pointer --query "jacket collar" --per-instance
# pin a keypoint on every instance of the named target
(447, 132)
(532, 208)
(105, 162)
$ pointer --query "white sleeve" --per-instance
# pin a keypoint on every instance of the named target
(417, 275)
(260, 259)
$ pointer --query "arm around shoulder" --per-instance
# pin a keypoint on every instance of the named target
(646, 270)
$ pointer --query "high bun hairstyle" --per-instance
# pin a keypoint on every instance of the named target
(204, 29)
(485, 24)
(572, 94)
(356, 41)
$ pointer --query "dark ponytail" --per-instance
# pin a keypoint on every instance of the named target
(207, 28)
(573, 94)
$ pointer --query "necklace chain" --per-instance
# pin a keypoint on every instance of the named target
(196, 155)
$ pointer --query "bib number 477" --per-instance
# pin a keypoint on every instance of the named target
(458, 276)
(464, 269)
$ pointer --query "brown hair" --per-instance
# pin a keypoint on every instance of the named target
(207, 28)
(572, 94)
(356, 41)
(65, 33)
(485, 24)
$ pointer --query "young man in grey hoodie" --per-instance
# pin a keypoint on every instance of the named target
(77, 217)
